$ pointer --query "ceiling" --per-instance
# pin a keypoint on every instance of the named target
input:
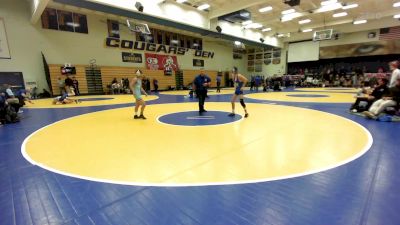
(370, 10)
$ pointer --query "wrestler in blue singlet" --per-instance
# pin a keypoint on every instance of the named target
(138, 89)
(239, 85)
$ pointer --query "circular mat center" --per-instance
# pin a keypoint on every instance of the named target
(275, 142)
(308, 96)
(94, 99)
(193, 118)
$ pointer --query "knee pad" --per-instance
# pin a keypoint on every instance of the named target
(242, 103)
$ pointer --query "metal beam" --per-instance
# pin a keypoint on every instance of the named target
(38, 6)
(229, 8)
(156, 20)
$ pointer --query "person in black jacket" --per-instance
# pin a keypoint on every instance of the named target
(376, 94)
(389, 100)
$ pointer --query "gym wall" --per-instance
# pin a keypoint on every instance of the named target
(27, 41)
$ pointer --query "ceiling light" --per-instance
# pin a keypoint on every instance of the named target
(288, 11)
(290, 16)
(304, 21)
(340, 14)
(203, 7)
(307, 30)
(396, 16)
(328, 2)
(266, 29)
(350, 6)
(281, 35)
(253, 25)
(265, 9)
(359, 22)
(397, 4)
(256, 25)
(330, 7)
(238, 43)
(180, 1)
(247, 22)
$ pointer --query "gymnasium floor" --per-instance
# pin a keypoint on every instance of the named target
(300, 158)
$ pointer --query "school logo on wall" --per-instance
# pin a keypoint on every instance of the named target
(161, 62)
(152, 47)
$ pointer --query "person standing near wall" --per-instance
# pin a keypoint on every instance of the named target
(155, 84)
(61, 85)
(76, 85)
(69, 83)
(200, 85)
(219, 78)
(394, 67)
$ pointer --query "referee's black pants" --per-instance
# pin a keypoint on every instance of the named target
(201, 95)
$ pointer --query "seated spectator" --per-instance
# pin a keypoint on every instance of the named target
(7, 112)
(11, 99)
(371, 97)
(389, 100)
(69, 84)
(3, 104)
(115, 86)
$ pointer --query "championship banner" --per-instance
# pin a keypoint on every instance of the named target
(131, 57)
(198, 62)
(161, 62)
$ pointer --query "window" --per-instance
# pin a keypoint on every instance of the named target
(113, 28)
(160, 37)
(63, 20)
(189, 42)
(49, 19)
(167, 38)
(80, 23)
(181, 41)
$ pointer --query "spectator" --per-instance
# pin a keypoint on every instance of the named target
(394, 67)
(115, 86)
(155, 84)
(69, 83)
(376, 94)
(11, 99)
(75, 83)
(389, 100)
(61, 85)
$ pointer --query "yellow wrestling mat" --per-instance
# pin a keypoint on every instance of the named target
(186, 92)
(91, 100)
(275, 142)
(329, 89)
(315, 97)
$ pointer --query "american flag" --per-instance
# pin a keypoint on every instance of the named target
(391, 33)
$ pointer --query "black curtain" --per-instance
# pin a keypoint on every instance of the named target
(47, 72)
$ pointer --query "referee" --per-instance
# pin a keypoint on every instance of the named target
(200, 85)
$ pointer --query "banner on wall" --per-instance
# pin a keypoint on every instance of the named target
(4, 49)
(156, 48)
(360, 49)
(132, 57)
(198, 63)
(161, 62)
